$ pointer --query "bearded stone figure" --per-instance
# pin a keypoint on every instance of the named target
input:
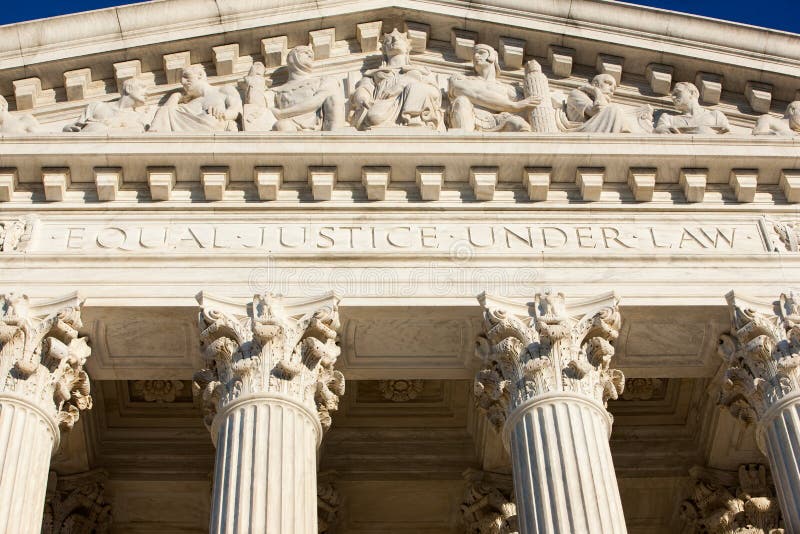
(788, 126)
(484, 103)
(122, 115)
(397, 93)
(694, 118)
(304, 103)
(200, 107)
(589, 109)
(16, 123)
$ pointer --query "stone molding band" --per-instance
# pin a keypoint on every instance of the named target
(275, 398)
(550, 398)
(19, 400)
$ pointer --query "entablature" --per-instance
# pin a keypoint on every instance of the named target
(405, 169)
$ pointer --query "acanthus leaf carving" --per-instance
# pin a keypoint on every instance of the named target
(762, 357)
(724, 502)
(76, 504)
(42, 358)
(270, 351)
(488, 506)
(328, 504)
(17, 234)
(547, 351)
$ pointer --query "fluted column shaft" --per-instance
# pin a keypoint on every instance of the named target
(266, 474)
(27, 439)
(564, 478)
(43, 388)
(779, 437)
(546, 381)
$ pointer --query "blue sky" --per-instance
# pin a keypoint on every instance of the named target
(778, 14)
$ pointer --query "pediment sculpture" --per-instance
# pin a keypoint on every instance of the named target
(124, 115)
(397, 93)
(306, 102)
(788, 126)
(694, 118)
(589, 109)
(199, 107)
(16, 123)
(483, 103)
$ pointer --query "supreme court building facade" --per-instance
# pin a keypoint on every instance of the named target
(381, 266)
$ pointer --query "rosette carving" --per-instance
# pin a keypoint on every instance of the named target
(761, 355)
(724, 502)
(546, 351)
(42, 356)
(488, 506)
(270, 350)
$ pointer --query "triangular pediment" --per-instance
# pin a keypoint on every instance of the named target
(53, 67)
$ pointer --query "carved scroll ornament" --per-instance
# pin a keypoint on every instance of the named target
(42, 357)
(547, 351)
(270, 351)
(76, 504)
(762, 357)
(723, 502)
(488, 506)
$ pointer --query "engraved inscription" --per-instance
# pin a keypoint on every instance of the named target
(407, 237)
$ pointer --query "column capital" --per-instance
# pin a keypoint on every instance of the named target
(546, 348)
(488, 505)
(77, 503)
(42, 357)
(328, 504)
(761, 356)
(723, 502)
(270, 346)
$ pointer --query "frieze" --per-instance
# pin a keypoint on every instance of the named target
(456, 239)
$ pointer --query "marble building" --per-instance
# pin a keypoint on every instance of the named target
(430, 266)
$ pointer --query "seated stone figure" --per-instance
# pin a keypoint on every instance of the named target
(589, 109)
(482, 102)
(201, 107)
(16, 123)
(694, 118)
(397, 93)
(120, 115)
(304, 103)
(788, 126)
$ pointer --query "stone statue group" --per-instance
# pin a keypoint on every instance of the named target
(395, 95)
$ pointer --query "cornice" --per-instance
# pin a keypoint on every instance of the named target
(642, 35)
(102, 30)
(329, 169)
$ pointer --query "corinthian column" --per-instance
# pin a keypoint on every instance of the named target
(267, 390)
(545, 385)
(43, 387)
(761, 386)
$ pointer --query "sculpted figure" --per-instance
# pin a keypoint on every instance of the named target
(694, 118)
(255, 86)
(397, 93)
(15, 123)
(788, 126)
(201, 107)
(482, 102)
(304, 103)
(589, 109)
(120, 115)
